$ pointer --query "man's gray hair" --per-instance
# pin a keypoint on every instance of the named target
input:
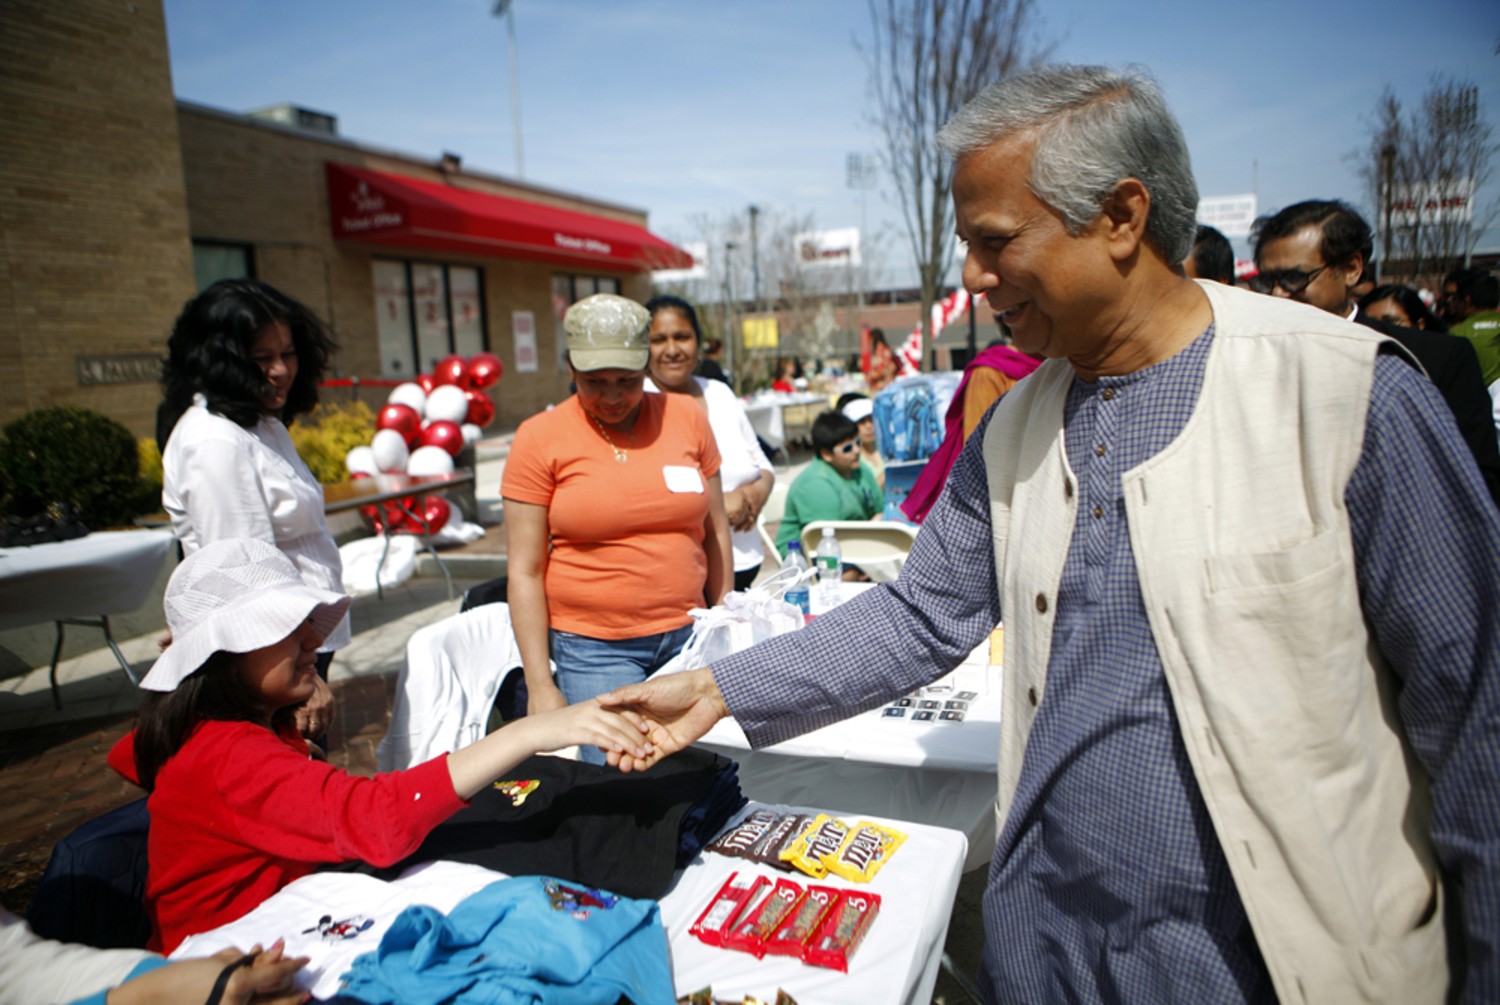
(1094, 128)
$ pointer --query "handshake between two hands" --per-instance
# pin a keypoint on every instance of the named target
(672, 712)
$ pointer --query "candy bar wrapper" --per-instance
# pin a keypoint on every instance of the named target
(739, 839)
(756, 925)
(705, 996)
(823, 836)
(726, 907)
(842, 930)
(791, 937)
(776, 840)
(864, 851)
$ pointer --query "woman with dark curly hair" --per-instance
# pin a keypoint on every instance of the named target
(244, 359)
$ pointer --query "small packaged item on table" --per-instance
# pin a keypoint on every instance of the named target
(776, 839)
(791, 936)
(739, 839)
(842, 930)
(823, 836)
(756, 925)
(726, 907)
(864, 851)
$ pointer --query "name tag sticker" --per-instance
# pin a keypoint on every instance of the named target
(683, 479)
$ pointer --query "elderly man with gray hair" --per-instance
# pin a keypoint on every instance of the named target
(1249, 576)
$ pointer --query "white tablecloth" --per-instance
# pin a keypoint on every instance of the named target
(897, 963)
(107, 572)
(899, 959)
(765, 415)
(937, 772)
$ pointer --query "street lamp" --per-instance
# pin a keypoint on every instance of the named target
(507, 10)
(728, 299)
(860, 175)
(754, 258)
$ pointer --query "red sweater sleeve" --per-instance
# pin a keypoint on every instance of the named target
(122, 758)
(278, 800)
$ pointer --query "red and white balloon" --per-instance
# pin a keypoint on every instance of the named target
(424, 424)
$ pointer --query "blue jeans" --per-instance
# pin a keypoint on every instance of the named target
(587, 667)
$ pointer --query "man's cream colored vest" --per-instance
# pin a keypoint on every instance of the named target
(1246, 565)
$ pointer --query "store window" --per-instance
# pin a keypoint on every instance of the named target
(213, 261)
(425, 311)
(566, 291)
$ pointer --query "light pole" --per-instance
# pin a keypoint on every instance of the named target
(728, 298)
(859, 174)
(507, 10)
(754, 259)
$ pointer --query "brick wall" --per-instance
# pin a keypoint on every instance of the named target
(94, 250)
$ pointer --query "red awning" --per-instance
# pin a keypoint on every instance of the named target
(382, 208)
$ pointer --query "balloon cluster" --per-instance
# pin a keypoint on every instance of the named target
(406, 515)
(422, 427)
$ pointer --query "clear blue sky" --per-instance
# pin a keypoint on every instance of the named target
(684, 108)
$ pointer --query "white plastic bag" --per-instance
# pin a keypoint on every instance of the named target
(742, 620)
(363, 557)
(456, 531)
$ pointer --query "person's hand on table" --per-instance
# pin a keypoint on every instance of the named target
(315, 715)
(544, 699)
(263, 977)
(677, 709)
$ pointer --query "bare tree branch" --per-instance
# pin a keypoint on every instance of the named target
(928, 59)
(1418, 168)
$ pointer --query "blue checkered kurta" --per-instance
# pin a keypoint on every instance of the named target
(1107, 883)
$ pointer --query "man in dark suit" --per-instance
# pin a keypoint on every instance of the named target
(1315, 252)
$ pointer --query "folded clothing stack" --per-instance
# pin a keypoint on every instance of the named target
(591, 824)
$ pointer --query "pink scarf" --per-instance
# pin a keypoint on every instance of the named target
(929, 485)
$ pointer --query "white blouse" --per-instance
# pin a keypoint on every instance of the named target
(741, 457)
(220, 480)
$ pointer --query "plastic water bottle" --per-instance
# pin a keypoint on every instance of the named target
(798, 594)
(830, 569)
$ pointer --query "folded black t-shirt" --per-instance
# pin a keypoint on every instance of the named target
(589, 823)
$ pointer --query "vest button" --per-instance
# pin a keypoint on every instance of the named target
(1031, 696)
(1098, 512)
(1099, 450)
(1067, 490)
(1041, 603)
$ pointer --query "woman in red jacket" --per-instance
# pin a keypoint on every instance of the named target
(239, 808)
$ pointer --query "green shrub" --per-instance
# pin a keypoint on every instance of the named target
(148, 459)
(326, 436)
(65, 456)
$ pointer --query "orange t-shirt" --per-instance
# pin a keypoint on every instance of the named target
(627, 553)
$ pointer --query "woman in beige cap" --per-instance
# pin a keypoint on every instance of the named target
(614, 515)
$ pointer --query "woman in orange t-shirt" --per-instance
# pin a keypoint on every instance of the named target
(614, 516)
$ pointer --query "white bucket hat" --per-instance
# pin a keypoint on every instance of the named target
(236, 596)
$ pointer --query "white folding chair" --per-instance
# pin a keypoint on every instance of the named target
(879, 547)
(447, 686)
(770, 515)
